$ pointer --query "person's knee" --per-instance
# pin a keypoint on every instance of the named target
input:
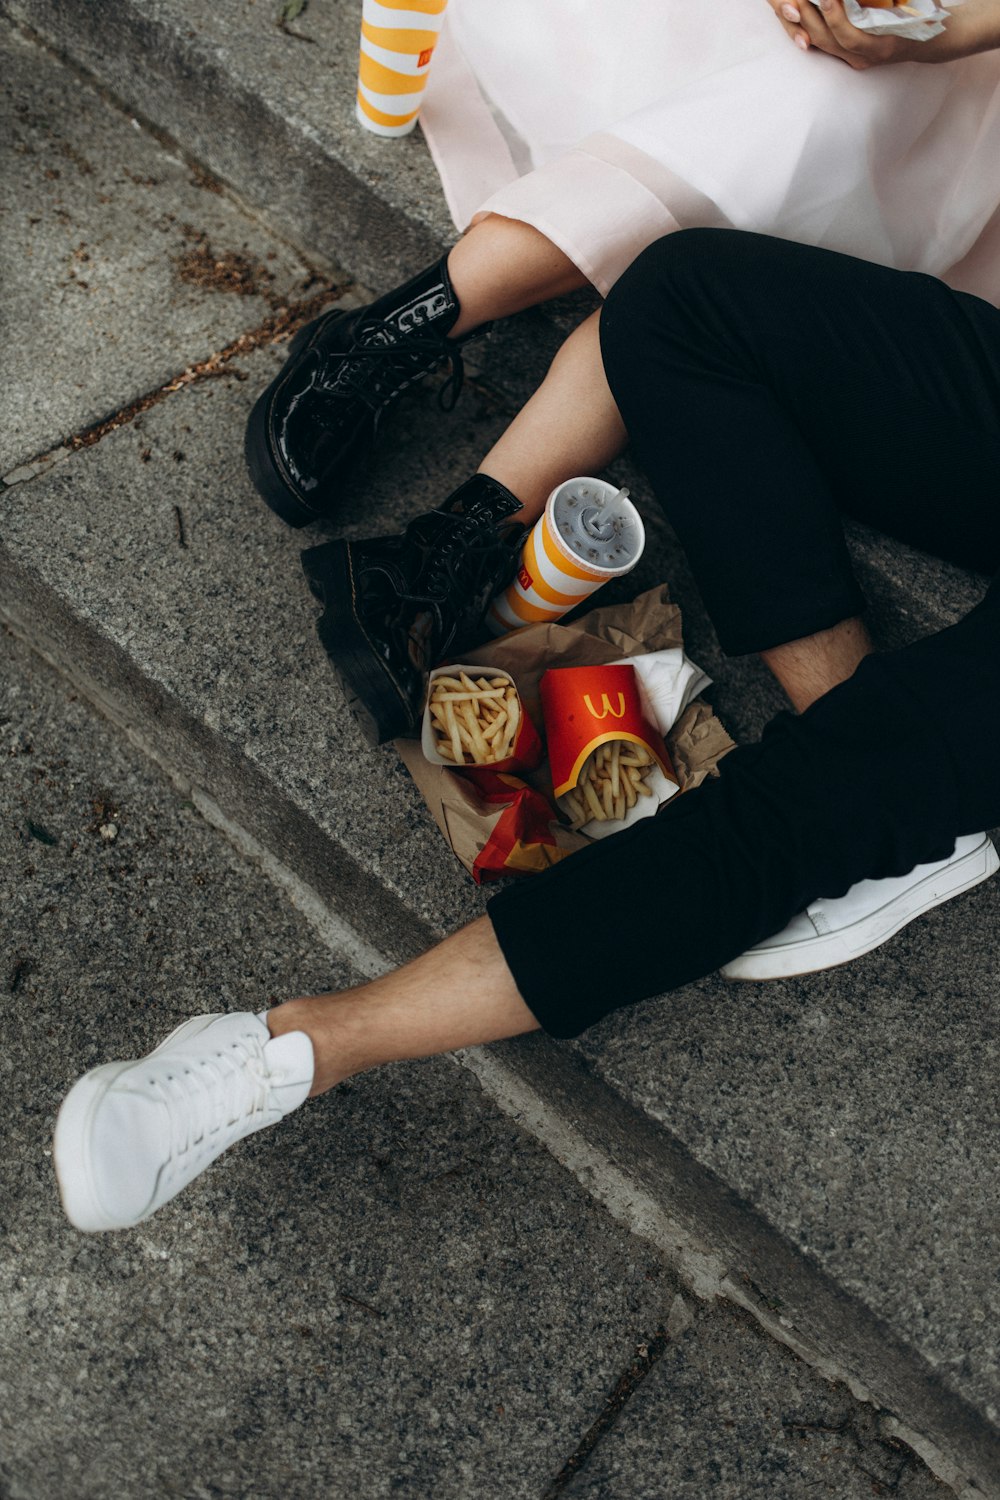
(658, 277)
(664, 295)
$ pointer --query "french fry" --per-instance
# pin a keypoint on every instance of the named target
(611, 782)
(479, 746)
(456, 743)
(591, 799)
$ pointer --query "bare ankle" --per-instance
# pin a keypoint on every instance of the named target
(316, 1016)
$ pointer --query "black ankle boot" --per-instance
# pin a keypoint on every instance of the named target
(320, 415)
(395, 606)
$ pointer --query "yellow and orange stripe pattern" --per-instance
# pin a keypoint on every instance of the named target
(550, 579)
(397, 44)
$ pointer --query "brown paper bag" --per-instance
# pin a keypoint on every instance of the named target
(505, 825)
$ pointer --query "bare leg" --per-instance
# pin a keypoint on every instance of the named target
(810, 667)
(502, 266)
(569, 426)
(458, 994)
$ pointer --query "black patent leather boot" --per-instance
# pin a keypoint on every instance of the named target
(320, 415)
(393, 607)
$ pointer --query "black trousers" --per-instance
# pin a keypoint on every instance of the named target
(767, 388)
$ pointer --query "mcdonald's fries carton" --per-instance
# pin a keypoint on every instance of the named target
(397, 44)
(474, 718)
(608, 761)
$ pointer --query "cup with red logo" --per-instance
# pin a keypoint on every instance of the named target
(397, 44)
(589, 533)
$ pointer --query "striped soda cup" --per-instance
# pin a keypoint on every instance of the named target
(588, 533)
(397, 43)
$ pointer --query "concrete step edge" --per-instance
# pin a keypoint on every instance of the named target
(638, 1171)
(328, 192)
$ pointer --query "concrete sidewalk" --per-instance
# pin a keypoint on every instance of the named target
(397, 1292)
(784, 1146)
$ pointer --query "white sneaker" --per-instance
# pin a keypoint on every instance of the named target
(132, 1134)
(828, 933)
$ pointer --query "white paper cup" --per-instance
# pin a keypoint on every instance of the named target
(397, 44)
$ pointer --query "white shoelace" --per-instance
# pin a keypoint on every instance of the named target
(212, 1097)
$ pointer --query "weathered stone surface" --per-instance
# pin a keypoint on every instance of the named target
(272, 114)
(396, 1292)
(726, 1413)
(119, 266)
(178, 570)
(857, 1111)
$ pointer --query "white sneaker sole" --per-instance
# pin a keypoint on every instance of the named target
(827, 951)
(72, 1136)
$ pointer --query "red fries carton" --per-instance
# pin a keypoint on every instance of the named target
(608, 761)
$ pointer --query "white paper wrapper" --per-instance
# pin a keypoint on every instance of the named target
(916, 21)
(668, 681)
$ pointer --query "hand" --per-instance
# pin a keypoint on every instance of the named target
(975, 27)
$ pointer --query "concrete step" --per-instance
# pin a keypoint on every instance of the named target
(330, 1306)
(269, 110)
(783, 1146)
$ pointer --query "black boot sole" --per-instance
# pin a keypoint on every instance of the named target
(378, 702)
(266, 471)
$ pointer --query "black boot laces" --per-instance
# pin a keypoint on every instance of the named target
(463, 572)
(381, 368)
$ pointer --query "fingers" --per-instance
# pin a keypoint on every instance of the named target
(816, 28)
(860, 47)
(789, 17)
(844, 34)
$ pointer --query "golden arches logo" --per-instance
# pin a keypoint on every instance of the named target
(616, 713)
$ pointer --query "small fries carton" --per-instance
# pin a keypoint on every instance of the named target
(474, 720)
(607, 758)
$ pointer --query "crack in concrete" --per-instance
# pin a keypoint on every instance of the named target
(902, 1458)
(281, 325)
(647, 1354)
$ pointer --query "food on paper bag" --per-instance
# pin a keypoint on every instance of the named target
(474, 718)
(910, 20)
(495, 823)
(608, 761)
